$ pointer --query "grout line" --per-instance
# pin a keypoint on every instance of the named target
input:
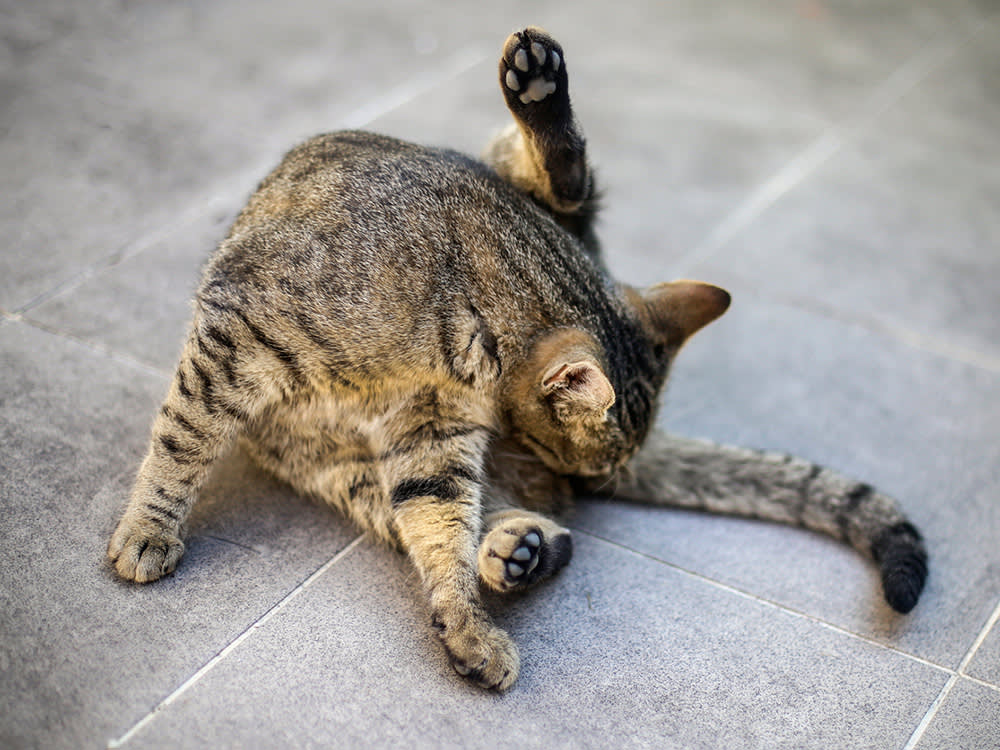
(94, 346)
(202, 207)
(221, 194)
(925, 722)
(458, 64)
(921, 729)
(215, 660)
(768, 193)
(990, 623)
(953, 674)
(794, 172)
(729, 588)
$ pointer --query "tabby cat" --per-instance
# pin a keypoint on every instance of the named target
(432, 345)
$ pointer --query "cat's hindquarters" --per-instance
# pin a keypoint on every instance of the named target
(687, 473)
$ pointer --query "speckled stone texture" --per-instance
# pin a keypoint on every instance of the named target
(833, 164)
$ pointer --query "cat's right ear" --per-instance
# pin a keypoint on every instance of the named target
(564, 371)
(578, 387)
(676, 310)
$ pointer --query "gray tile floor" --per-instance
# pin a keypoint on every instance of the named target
(835, 164)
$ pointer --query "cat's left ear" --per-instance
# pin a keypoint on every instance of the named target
(676, 310)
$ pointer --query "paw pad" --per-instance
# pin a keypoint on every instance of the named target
(532, 65)
(524, 559)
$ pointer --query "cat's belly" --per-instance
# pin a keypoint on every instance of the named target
(350, 448)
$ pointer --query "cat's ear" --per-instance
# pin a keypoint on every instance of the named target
(676, 310)
(577, 387)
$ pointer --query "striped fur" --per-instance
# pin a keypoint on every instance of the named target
(432, 345)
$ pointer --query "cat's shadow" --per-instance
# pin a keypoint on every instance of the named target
(242, 504)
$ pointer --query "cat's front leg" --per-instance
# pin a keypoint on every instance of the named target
(436, 503)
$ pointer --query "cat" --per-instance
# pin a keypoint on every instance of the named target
(432, 344)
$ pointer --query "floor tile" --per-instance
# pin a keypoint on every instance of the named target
(863, 335)
(141, 306)
(969, 719)
(200, 94)
(899, 225)
(917, 426)
(82, 655)
(985, 664)
(616, 649)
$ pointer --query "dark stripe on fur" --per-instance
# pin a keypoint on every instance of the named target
(362, 483)
(218, 336)
(178, 453)
(443, 487)
(221, 358)
(852, 501)
(207, 387)
(335, 365)
(172, 499)
(182, 384)
(182, 422)
(163, 512)
(430, 431)
(284, 355)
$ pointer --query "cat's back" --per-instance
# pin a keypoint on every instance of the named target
(365, 186)
(383, 244)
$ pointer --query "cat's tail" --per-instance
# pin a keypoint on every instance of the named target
(695, 474)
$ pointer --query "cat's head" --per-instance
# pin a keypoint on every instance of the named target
(584, 405)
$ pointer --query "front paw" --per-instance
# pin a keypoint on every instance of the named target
(483, 653)
(143, 551)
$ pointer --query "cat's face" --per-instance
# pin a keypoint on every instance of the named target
(583, 408)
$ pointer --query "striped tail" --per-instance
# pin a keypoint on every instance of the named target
(686, 473)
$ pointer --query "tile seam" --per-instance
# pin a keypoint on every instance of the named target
(932, 711)
(93, 346)
(224, 189)
(232, 645)
(907, 76)
(991, 622)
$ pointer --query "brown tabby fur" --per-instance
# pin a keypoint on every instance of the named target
(431, 345)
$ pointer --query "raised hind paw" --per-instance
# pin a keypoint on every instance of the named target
(518, 552)
(143, 551)
(533, 76)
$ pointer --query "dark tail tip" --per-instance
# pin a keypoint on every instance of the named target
(900, 552)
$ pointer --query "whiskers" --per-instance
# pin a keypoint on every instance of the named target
(610, 484)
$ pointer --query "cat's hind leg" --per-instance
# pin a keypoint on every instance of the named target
(521, 548)
(209, 402)
(544, 152)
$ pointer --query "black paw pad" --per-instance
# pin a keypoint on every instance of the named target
(524, 559)
(532, 70)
